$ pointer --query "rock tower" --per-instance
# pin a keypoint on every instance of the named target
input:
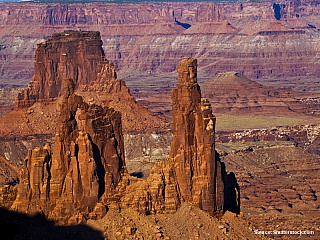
(197, 170)
(87, 160)
(85, 174)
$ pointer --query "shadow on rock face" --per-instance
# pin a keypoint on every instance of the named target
(137, 174)
(15, 226)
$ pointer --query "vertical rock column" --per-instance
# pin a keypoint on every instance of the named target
(197, 170)
(87, 161)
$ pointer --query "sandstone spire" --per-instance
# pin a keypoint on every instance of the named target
(193, 173)
(192, 150)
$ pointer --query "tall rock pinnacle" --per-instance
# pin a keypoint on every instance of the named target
(86, 174)
(193, 147)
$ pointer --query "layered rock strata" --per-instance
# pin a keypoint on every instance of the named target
(149, 39)
(85, 174)
(193, 172)
(79, 55)
(76, 55)
(87, 160)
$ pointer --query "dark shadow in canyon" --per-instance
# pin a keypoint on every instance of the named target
(277, 9)
(184, 25)
(16, 226)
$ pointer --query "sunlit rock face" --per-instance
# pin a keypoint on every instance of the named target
(87, 160)
(192, 149)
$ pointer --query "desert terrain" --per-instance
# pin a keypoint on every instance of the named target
(257, 64)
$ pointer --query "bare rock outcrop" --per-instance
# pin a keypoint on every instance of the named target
(87, 160)
(85, 175)
(79, 55)
(74, 54)
(193, 172)
(192, 150)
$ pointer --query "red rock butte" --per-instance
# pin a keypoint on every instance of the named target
(85, 174)
(78, 55)
(71, 54)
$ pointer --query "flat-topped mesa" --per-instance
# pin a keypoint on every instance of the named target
(78, 55)
(87, 161)
(72, 54)
(197, 170)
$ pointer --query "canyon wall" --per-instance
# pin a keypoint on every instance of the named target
(106, 13)
(150, 39)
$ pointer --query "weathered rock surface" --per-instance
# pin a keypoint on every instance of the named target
(134, 35)
(8, 195)
(35, 119)
(193, 172)
(192, 149)
(85, 174)
(79, 55)
(87, 160)
(76, 55)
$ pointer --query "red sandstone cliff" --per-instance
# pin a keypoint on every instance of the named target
(87, 160)
(85, 174)
(77, 55)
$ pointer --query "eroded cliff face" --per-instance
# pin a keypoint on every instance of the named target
(85, 173)
(86, 161)
(192, 150)
(193, 172)
(150, 39)
(77, 55)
